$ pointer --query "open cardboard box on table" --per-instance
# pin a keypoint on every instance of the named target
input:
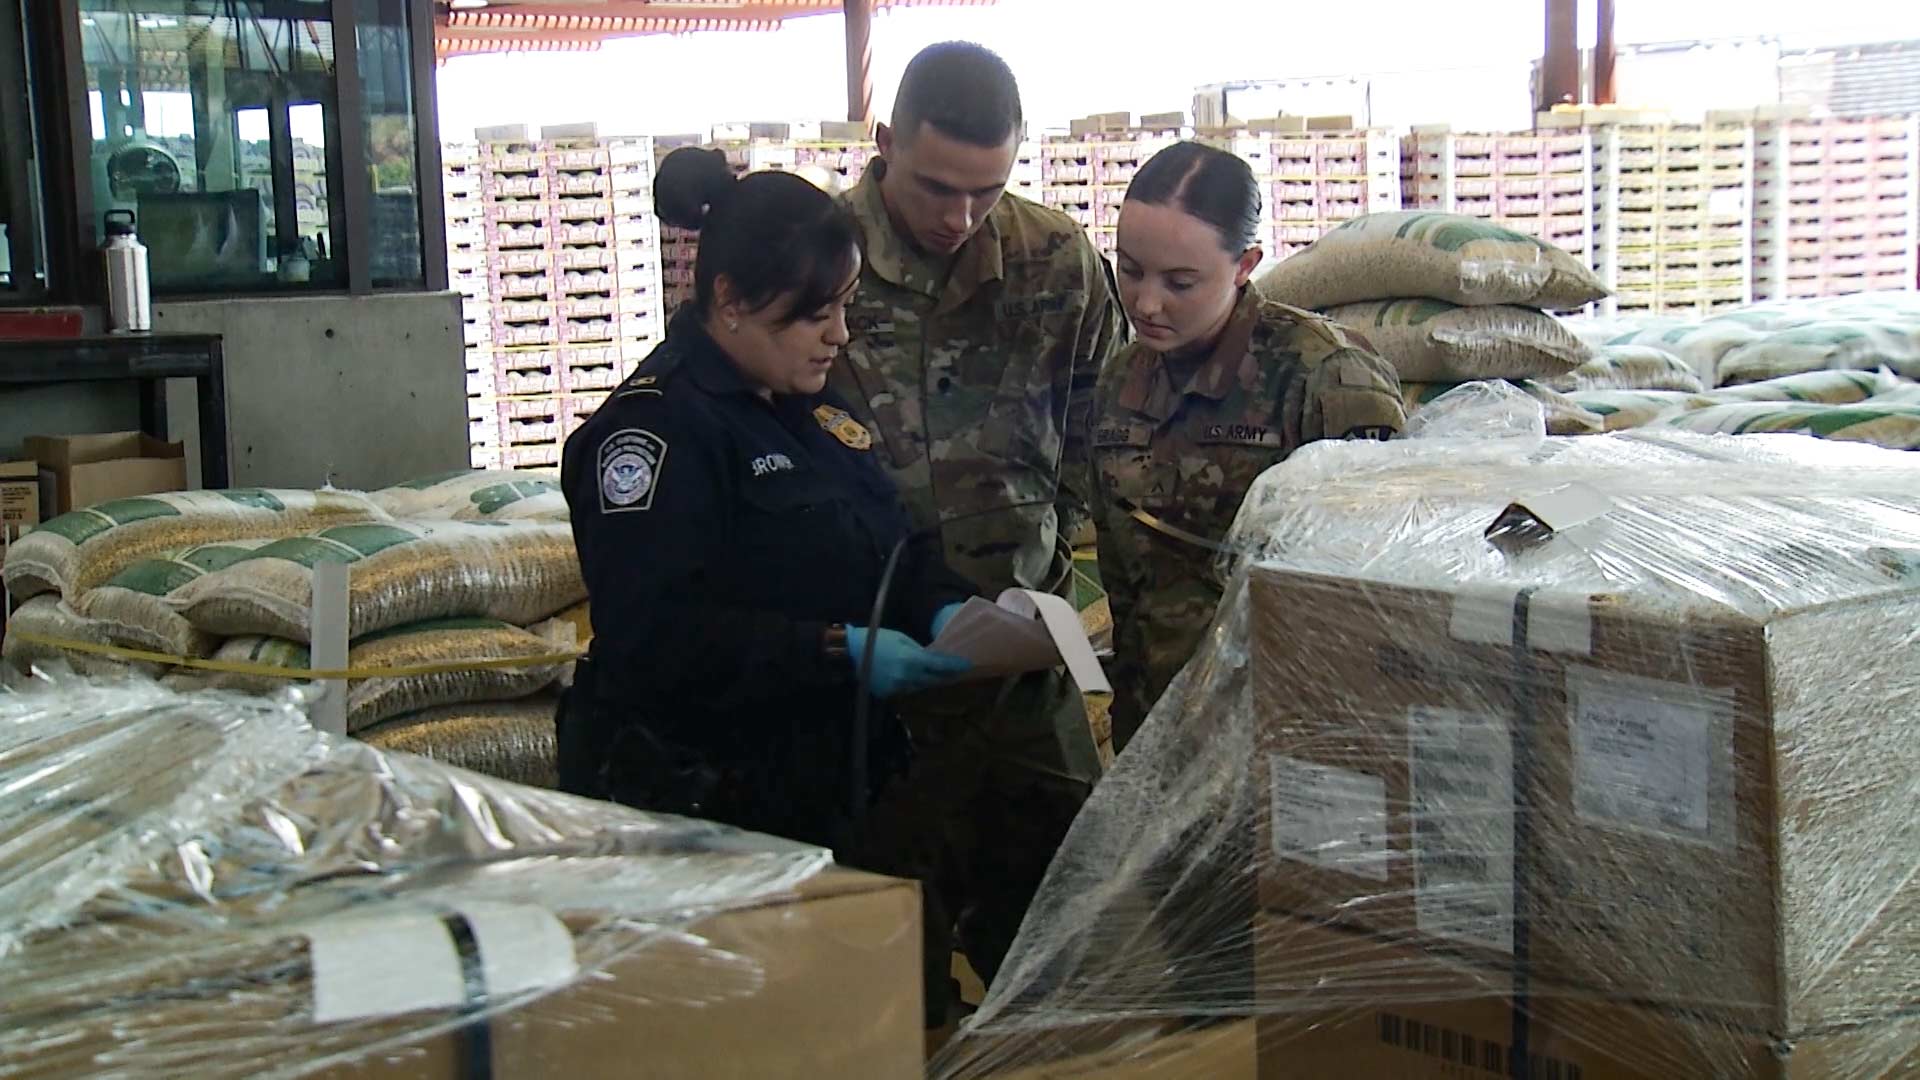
(86, 470)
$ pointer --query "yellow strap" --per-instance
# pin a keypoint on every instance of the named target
(274, 671)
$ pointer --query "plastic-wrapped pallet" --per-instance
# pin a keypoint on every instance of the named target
(75, 552)
(203, 886)
(1518, 756)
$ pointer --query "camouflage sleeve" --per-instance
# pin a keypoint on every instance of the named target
(1103, 331)
(1353, 394)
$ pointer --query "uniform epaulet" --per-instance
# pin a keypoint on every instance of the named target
(652, 376)
(1312, 320)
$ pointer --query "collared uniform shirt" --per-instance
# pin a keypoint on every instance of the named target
(1181, 441)
(719, 534)
(975, 379)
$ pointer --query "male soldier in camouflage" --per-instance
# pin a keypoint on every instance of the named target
(979, 328)
(1220, 386)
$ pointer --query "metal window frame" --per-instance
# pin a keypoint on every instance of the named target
(67, 153)
(25, 221)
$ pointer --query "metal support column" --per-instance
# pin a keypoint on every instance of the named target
(1560, 67)
(859, 18)
(1603, 56)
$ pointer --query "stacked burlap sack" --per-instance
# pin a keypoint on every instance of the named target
(1840, 368)
(1448, 299)
(465, 599)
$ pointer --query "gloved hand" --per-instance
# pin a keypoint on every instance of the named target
(944, 616)
(900, 664)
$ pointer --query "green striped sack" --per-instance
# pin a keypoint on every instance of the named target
(1432, 341)
(466, 495)
(135, 604)
(79, 551)
(399, 573)
(1894, 426)
(1450, 257)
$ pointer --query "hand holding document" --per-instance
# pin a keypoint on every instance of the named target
(1025, 631)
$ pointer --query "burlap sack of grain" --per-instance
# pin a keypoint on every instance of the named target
(49, 617)
(463, 495)
(1826, 345)
(1448, 257)
(1701, 346)
(1621, 410)
(383, 697)
(1434, 341)
(80, 551)
(1894, 426)
(135, 604)
(1904, 393)
(1816, 387)
(1565, 416)
(400, 573)
(1628, 367)
(511, 740)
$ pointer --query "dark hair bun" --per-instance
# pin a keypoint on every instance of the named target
(690, 182)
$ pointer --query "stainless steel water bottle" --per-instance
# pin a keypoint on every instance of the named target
(129, 303)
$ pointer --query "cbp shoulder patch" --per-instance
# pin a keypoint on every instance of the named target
(630, 463)
(841, 426)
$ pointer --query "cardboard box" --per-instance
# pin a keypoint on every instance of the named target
(824, 981)
(1225, 1052)
(19, 495)
(1164, 120)
(1336, 1003)
(828, 984)
(86, 470)
(1682, 805)
(1329, 123)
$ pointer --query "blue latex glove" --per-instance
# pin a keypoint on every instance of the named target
(944, 616)
(900, 664)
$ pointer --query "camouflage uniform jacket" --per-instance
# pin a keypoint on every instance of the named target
(1183, 441)
(976, 379)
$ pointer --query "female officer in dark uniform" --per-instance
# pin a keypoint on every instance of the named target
(733, 525)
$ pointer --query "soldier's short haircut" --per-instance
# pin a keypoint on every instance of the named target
(962, 90)
(774, 236)
(1208, 183)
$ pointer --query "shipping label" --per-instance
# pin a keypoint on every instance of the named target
(1461, 801)
(1329, 817)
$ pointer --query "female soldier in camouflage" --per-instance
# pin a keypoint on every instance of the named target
(1219, 386)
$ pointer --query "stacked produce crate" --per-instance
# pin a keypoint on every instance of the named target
(1314, 181)
(1086, 176)
(1673, 215)
(555, 247)
(1534, 184)
(1834, 209)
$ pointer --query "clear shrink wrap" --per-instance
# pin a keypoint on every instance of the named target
(200, 885)
(1512, 756)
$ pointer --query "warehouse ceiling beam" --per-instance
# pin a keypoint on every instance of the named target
(1560, 67)
(463, 26)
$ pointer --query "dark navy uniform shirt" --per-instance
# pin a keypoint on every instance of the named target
(719, 534)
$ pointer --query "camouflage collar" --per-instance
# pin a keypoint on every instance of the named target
(890, 256)
(1220, 372)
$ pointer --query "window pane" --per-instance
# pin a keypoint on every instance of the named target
(386, 78)
(217, 125)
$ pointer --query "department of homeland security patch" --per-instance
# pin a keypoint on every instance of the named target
(843, 427)
(630, 463)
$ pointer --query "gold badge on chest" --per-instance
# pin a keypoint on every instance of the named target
(841, 426)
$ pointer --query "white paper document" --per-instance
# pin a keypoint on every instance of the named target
(1025, 631)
